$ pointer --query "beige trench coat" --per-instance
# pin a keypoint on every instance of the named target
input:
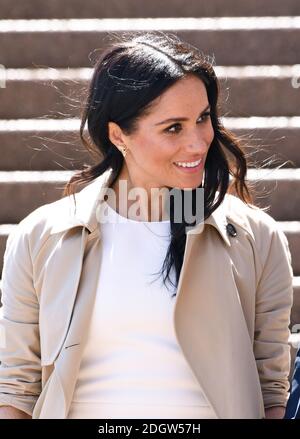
(231, 313)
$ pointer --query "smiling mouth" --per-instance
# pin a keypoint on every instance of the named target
(190, 168)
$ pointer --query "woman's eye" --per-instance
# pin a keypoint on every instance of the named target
(168, 130)
(203, 118)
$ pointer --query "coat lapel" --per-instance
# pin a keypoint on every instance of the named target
(58, 291)
(71, 356)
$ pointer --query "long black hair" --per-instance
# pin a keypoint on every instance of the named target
(134, 70)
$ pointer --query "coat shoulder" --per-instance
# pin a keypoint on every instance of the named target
(259, 227)
(35, 228)
(253, 219)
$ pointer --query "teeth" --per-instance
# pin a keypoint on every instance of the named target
(188, 165)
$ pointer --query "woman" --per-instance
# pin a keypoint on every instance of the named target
(88, 331)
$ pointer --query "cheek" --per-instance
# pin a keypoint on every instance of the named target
(154, 154)
(158, 150)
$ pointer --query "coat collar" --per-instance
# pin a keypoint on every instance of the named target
(83, 212)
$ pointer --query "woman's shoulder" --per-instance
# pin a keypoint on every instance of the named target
(260, 228)
(253, 219)
(35, 228)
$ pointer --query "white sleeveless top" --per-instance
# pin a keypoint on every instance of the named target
(132, 365)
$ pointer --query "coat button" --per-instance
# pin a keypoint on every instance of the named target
(231, 230)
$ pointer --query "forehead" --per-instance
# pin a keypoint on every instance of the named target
(187, 93)
(189, 83)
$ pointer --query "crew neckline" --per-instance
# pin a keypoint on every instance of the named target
(123, 218)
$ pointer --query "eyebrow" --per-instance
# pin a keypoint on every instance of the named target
(179, 119)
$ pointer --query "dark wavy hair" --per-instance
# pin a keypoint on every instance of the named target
(134, 70)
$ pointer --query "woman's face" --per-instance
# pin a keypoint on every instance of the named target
(157, 145)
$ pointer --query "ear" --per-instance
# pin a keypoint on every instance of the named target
(115, 134)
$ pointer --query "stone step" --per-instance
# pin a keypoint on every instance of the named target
(5, 230)
(292, 231)
(23, 191)
(268, 141)
(278, 189)
(60, 93)
(41, 145)
(53, 144)
(138, 8)
(264, 40)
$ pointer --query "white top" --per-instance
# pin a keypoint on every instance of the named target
(132, 364)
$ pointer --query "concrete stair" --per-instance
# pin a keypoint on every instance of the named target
(223, 38)
(138, 9)
(53, 144)
(58, 93)
(46, 59)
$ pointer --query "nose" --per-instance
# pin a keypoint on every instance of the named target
(198, 143)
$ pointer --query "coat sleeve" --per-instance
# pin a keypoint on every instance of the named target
(274, 299)
(20, 368)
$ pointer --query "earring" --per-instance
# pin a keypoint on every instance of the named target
(123, 150)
